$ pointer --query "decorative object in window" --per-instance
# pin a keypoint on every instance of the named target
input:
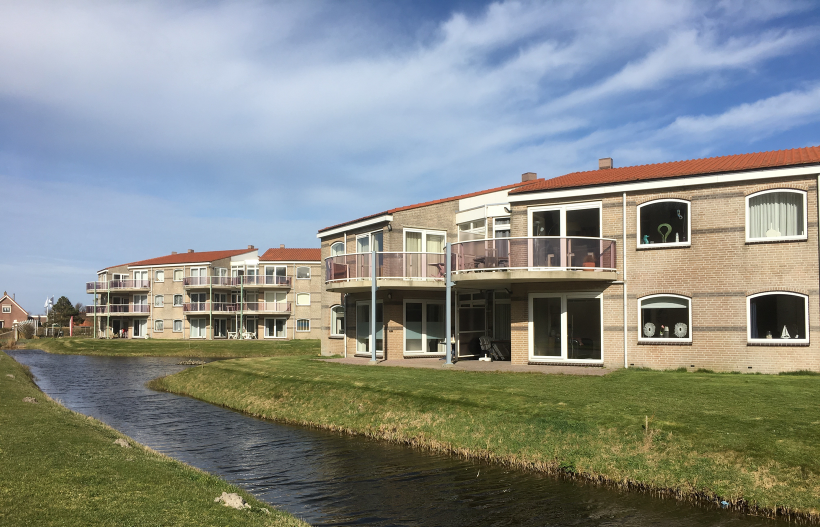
(776, 215)
(665, 317)
(664, 222)
(778, 316)
(177, 326)
(303, 272)
(177, 300)
(178, 273)
(160, 276)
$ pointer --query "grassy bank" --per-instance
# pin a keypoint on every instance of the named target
(58, 467)
(174, 348)
(749, 439)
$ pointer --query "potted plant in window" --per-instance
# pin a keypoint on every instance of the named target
(589, 261)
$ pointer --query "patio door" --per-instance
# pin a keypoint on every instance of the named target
(472, 323)
(363, 327)
(418, 246)
(199, 275)
(569, 225)
(220, 328)
(140, 303)
(140, 328)
(140, 278)
(274, 275)
(365, 243)
(566, 327)
(424, 327)
(275, 301)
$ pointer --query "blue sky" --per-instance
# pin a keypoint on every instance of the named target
(132, 129)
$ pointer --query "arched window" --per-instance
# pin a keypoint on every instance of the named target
(665, 319)
(337, 321)
(664, 223)
(337, 249)
(778, 214)
(777, 317)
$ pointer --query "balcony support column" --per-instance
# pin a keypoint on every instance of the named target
(108, 306)
(95, 308)
(211, 304)
(448, 310)
(373, 307)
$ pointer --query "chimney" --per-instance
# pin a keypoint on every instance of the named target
(528, 176)
(251, 247)
(173, 252)
(281, 245)
(190, 250)
(604, 162)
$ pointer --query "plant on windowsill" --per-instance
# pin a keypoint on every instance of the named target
(589, 261)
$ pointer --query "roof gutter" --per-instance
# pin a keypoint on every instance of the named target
(356, 225)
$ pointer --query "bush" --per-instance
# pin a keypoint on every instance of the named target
(25, 331)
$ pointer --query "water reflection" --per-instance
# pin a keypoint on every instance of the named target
(328, 479)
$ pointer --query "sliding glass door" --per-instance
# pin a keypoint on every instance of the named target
(566, 328)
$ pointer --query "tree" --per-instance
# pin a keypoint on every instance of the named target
(79, 319)
(61, 312)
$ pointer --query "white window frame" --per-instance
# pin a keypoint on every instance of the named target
(356, 332)
(181, 327)
(181, 300)
(424, 303)
(563, 358)
(302, 330)
(265, 328)
(424, 233)
(667, 244)
(302, 295)
(159, 300)
(344, 249)
(159, 325)
(804, 236)
(776, 342)
(303, 267)
(181, 275)
(6, 309)
(370, 244)
(159, 275)
(507, 227)
(204, 329)
(333, 322)
(459, 230)
(657, 340)
(563, 216)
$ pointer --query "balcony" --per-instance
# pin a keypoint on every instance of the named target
(117, 285)
(267, 307)
(118, 309)
(265, 281)
(195, 282)
(396, 270)
(235, 307)
(534, 259)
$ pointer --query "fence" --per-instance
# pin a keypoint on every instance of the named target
(56, 331)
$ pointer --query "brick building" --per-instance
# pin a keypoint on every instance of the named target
(707, 263)
(11, 312)
(210, 295)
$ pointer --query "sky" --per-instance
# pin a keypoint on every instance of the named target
(132, 129)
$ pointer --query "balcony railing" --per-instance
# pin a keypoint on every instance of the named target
(399, 265)
(535, 253)
(235, 281)
(117, 308)
(260, 279)
(118, 284)
(268, 307)
(234, 307)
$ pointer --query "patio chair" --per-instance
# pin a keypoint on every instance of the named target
(487, 346)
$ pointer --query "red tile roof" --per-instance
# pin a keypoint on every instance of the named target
(291, 255)
(692, 167)
(183, 258)
(426, 203)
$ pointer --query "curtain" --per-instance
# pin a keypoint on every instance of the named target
(413, 242)
(753, 319)
(435, 243)
(778, 211)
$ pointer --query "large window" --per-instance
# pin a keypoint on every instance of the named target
(303, 324)
(337, 249)
(337, 321)
(665, 318)
(778, 317)
(275, 328)
(664, 223)
(565, 328)
(198, 328)
(302, 272)
(363, 327)
(178, 273)
(423, 326)
(776, 215)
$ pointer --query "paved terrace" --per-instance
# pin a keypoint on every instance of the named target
(475, 365)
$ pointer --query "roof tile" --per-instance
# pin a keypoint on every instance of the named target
(291, 255)
(183, 258)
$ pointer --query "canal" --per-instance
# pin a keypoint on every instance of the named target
(330, 479)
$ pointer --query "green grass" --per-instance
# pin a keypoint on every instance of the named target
(749, 439)
(58, 467)
(213, 349)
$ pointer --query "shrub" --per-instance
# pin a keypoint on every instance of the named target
(25, 331)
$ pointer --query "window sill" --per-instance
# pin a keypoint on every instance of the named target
(779, 343)
(652, 246)
(665, 342)
(756, 241)
(337, 337)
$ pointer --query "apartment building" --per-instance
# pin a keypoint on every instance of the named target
(707, 263)
(208, 295)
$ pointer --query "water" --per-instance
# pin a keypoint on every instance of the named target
(329, 479)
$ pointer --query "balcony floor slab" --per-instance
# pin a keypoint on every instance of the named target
(478, 279)
(361, 286)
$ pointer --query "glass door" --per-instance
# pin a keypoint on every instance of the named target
(140, 278)
(424, 327)
(140, 327)
(471, 323)
(363, 328)
(140, 303)
(220, 328)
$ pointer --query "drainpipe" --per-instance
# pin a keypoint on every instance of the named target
(107, 307)
(373, 306)
(626, 360)
(448, 310)
(241, 303)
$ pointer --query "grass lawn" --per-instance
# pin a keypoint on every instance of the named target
(211, 349)
(58, 467)
(753, 440)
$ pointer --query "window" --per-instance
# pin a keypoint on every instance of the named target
(664, 223)
(177, 300)
(178, 274)
(302, 272)
(276, 275)
(158, 325)
(472, 230)
(776, 215)
(501, 227)
(565, 328)
(6, 309)
(198, 327)
(337, 249)
(337, 321)
(423, 327)
(363, 327)
(303, 324)
(159, 300)
(778, 317)
(199, 276)
(366, 243)
(160, 276)
(303, 299)
(275, 328)
(424, 256)
(580, 219)
(665, 318)
(579, 225)
(177, 326)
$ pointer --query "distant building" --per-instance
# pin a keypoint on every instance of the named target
(11, 312)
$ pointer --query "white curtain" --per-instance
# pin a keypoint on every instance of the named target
(777, 211)
(435, 243)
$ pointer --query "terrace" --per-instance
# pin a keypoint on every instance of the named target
(236, 307)
(396, 270)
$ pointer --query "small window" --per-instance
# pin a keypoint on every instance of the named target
(177, 300)
(664, 223)
(472, 230)
(501, 226)
(665, 318)
(158, 325)
(160, 276)
(178, 274)
(177, 326)
(303, 299)
(159, 300)
(6, 309)
(777, 318)
(776, 215)
(303, 324)
(302, 272)
(337, 321)
(337, 249)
